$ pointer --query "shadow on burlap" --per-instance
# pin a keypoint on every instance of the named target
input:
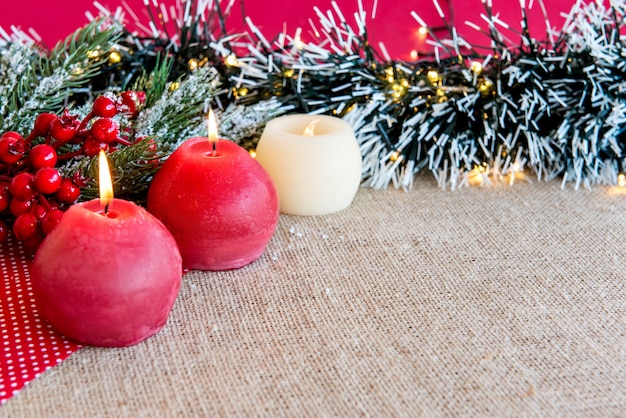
(507, 301)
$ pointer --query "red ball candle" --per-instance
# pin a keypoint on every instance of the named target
(217, 201)
(108, 274)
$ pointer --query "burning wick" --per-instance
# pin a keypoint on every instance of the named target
(310, 129)
(212, 132)
(104, 179)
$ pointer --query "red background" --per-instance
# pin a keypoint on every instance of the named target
(393, 23)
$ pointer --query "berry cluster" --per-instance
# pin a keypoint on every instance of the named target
(33, 194)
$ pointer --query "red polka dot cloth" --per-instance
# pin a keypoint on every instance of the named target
(29, 345)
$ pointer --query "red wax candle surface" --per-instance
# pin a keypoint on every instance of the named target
(222, 209)
(107, 279)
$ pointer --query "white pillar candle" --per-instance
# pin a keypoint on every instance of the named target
(314, 174)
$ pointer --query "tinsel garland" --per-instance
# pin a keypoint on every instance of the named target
(554, 107)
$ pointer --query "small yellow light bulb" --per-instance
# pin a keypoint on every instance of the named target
(476, 67)
(433, 76)
(423, 30)
(115, 57)
(93, 54)
(192, 64)
(231, 60)
(621, 180)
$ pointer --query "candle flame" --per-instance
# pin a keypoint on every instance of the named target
(212, 126)
(310, 129)
(106, 186)
(212, 130)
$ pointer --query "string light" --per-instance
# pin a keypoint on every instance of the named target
(476, 176)
(394, 156)
(621, 180)
(115, 57)
(485, 87)
(433, 76)
(93, 54)
(231, 60)
(476, 67)
(389, 72)
(252, 153)
(423, 30)
(192, 64)
(174, 86)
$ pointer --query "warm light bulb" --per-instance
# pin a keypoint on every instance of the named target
(433, 76)
(476, 67)
(621, 180)
(485, 86)
(104, 179)
(192, 64)
(93, 54)
(310, 129)
(252, 153)
(231, 60)
(414, 54)
(423, 30)
(114, 57)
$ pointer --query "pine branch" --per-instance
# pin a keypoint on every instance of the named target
(51, 82)
(179, 113)
(132, 169)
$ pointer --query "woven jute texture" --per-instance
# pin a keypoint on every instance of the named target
(508, 301)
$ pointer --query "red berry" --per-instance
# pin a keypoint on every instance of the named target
(131, 101)
(17, 207)
(79, 180)
(51, 220)
(11, 147)
(91, 147)
(152, 146)
(23, 186)
(104, 106)
(12, 134)
(42, 123)
(25, 226)
(5, 197)
(64, 127)
(47, 180)
(33, 243)
(68, 192)
(4, 231)
(105, 130)
(43, 155)
(39, 211)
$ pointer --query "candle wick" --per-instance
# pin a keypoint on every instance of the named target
(106, 209)
(214, 144)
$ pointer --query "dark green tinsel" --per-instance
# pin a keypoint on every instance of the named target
(552, 106)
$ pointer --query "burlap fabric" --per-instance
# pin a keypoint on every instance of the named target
(498, 302)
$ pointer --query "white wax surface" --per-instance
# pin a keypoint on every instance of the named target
(314, 175)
